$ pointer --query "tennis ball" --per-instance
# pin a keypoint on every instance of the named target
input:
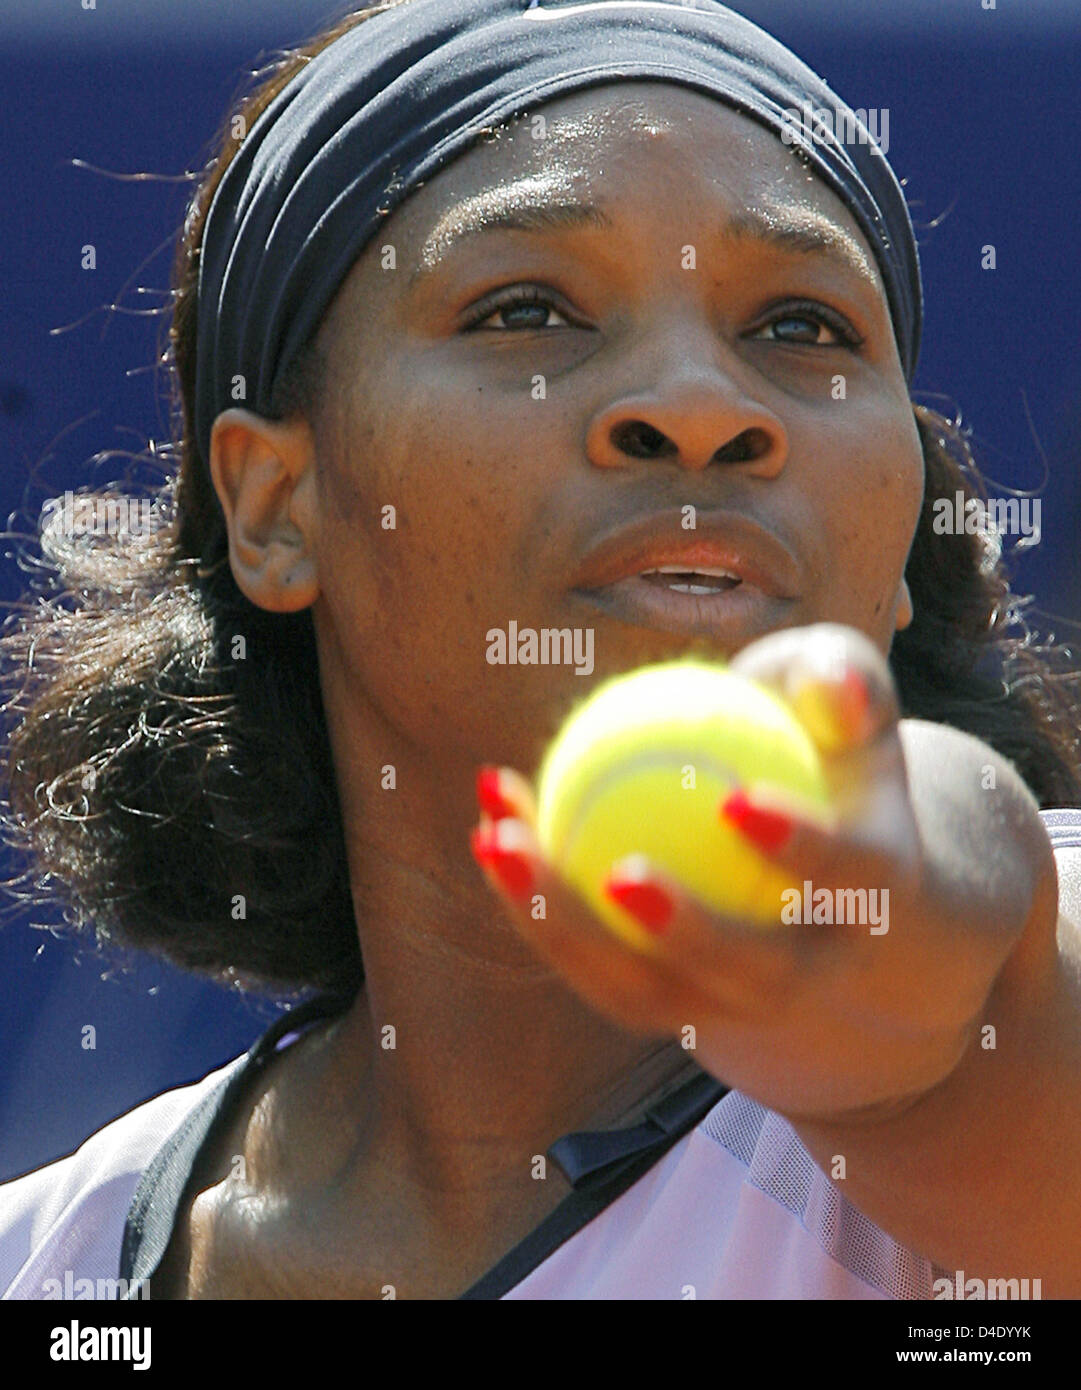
(642, 766)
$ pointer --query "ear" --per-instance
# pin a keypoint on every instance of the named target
(264, 474)
(905, 610)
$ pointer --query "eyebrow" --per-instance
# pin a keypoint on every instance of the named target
(804, 231)
(517, 208)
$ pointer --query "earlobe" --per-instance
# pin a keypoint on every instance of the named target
(264, 474)
(905, 610)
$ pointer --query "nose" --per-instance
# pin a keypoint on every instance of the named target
(694, 414)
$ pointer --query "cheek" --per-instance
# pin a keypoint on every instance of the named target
(870, 515)
(465, 471)
(427, 515)
(397, 536)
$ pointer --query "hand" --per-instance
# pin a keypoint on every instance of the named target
(819, 1022)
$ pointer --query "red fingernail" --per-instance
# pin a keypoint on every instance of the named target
(646, 902)
(512, 869)
(767, 829)
(854, 700)
(490, 796)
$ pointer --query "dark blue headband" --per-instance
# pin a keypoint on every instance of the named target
(382, 108)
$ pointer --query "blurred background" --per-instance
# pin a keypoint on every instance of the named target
(982, 107)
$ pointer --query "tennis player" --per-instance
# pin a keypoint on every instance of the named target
(478, 304)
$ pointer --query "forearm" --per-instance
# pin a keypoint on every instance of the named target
(978, 1174)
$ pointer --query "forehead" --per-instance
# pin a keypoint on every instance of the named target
(638, 147)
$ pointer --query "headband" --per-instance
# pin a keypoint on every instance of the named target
(398, 96)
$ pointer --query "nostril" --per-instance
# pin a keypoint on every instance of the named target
(637, 439)
(640, 440)
(751, 444)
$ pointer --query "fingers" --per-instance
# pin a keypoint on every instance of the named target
(833, 678)
(501, 792)
(740, 964)
(629, 984)
(868, 854)
(682, 963)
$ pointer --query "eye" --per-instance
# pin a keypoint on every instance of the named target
(801, 325)
(522, 307)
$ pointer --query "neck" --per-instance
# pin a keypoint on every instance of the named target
(464, 1057)
(476, 1055)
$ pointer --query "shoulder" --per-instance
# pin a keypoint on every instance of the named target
(64, 1222)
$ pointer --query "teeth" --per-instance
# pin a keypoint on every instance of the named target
(691, 578)
(696, 569)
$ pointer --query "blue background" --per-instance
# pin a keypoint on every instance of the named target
(983, 122)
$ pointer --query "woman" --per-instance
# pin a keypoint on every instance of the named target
(462, 331)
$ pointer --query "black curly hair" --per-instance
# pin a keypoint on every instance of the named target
(168, 774)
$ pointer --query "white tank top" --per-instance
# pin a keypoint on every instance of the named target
(712, 1196)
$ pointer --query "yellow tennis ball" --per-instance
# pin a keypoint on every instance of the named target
(642, 766)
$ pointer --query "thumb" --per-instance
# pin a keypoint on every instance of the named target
(835, 681)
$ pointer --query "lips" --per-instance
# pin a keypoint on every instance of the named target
(723, 547)
(726, 581)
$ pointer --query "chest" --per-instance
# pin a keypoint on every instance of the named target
(232, 1242)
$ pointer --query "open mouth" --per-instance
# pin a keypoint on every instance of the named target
(703, 581)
